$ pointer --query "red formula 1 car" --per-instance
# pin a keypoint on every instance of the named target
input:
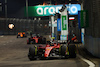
(36, 39)
(55, 50)
(21, 35)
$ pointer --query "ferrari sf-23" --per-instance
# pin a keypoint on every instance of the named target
(36, 39)
(54, 50)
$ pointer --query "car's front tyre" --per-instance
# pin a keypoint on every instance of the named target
(32, 53)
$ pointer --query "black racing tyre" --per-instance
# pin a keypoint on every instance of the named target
(72, 51)
(31, 54)
(33, 41)
(17, 36)
(23, 35)
(63, 50)
(39, 41)
(31, 57)
(29, 41)
(44, 41)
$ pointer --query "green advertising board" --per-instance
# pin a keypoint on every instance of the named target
(64, 22)
(84, 19)
(46, 10)
(39, 11)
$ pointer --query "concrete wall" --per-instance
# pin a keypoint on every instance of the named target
(93, 45)
(92, 33)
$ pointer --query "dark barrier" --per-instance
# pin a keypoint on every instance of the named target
(23, 25)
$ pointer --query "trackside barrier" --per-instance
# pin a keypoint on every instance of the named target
(23, 25)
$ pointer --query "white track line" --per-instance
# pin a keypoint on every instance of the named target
(2, 36)
(91, 64)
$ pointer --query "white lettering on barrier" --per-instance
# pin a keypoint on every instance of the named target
(52, 10)
(45, 9)
(40, 11)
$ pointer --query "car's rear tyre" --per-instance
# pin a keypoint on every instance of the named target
(39, 41)
(72, 51)
(63, 50)
(33, 41)
(31, 54)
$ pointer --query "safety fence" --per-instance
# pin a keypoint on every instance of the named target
(23, 25)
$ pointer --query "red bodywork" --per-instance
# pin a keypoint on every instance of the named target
(48, 48)
(36, 38)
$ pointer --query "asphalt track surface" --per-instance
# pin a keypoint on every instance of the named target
(13, 53)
